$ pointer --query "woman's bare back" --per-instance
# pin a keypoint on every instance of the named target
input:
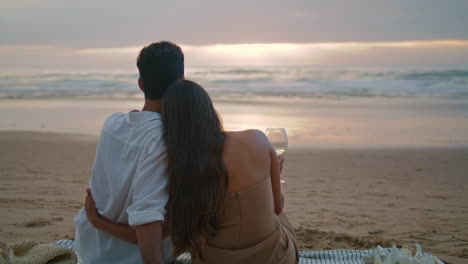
(247, 159)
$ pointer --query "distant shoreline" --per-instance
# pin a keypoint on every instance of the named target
(310, 124)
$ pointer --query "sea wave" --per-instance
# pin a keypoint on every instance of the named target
(242, 83)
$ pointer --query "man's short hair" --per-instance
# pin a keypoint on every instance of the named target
(160, 64)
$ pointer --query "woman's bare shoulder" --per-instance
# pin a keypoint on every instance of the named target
(253, 137)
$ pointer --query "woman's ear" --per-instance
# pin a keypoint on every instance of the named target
(140, 84)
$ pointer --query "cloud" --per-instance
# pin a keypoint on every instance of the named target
(9, 5)
(119, 23)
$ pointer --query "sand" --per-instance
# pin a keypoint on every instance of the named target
(335, 198)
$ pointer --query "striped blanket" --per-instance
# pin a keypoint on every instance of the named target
(341, 256)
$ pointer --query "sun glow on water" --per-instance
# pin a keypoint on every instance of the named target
(436, 52)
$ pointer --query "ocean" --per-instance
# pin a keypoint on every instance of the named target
(320, 107)
(252, 83)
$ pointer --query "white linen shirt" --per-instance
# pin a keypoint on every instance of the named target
(128, 183)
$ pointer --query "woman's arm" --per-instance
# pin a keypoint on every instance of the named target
(121, 231)
(275, 165)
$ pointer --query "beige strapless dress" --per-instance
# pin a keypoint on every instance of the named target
(250, 232)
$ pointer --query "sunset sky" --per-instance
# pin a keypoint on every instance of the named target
(105, 33)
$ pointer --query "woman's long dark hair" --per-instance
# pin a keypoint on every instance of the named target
(197, 176)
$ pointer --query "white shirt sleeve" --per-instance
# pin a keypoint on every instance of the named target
(150, 193)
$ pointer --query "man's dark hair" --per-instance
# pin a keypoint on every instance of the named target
(160, 64)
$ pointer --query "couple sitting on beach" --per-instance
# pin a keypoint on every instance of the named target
(169, 179)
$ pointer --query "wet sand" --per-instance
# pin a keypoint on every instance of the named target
(310, 123)
(354, 198)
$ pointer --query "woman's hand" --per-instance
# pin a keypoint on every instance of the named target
(122, 231)
(281, 161)
(90, 208)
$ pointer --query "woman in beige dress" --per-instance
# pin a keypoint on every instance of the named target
(225, 203)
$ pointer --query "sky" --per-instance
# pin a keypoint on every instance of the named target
(109, 33)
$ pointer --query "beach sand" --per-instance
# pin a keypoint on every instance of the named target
(335, 198)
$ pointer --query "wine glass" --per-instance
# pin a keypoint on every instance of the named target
(278, 139)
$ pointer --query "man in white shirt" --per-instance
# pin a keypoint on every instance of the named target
(129, 178)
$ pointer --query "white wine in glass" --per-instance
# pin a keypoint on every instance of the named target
(278, 139)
